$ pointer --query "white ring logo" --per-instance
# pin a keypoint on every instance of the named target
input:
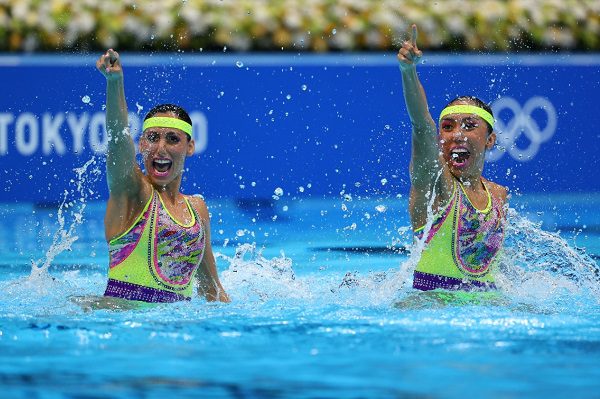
(522, 123)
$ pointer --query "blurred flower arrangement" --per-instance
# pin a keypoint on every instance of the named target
(300, 25)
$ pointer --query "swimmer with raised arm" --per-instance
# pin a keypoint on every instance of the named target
(158, 238)
(461, 212)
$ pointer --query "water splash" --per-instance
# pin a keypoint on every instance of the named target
(253, 279)
(256, 278)
(70, 215)
(541, 267)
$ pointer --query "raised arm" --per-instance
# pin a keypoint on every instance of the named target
(123, 173)
(125, 178)
(426, 162)
(425, 148)
(207, 279)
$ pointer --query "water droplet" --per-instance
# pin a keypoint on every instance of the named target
(86, 99)
(334, 31)
(304, 87)
(383, 182)
(239, 64)
(289, 96)
(381, 208)
(278, 191)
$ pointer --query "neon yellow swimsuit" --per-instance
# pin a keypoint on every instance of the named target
(462, 245)
(156, 258)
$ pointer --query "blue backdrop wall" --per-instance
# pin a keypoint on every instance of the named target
(306, 124)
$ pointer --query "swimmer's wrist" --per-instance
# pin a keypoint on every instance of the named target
(409, 74)
(114, 80)
(408, 68)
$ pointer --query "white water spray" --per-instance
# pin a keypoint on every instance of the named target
(64, 237)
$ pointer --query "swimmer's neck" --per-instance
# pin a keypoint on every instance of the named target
(169, 193)
(474, 183)
(170, 197)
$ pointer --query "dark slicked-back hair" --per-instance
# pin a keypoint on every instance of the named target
(478, 103)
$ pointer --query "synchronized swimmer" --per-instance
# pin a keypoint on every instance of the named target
(158, 238)
(465, 231)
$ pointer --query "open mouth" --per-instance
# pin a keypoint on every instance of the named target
(459, 156)
(162, 166)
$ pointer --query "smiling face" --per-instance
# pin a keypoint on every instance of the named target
(464, 138)
(164, 150)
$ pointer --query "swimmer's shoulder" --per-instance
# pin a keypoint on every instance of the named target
(197, 202)
(498, 191)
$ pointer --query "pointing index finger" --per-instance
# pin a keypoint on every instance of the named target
(413, 38)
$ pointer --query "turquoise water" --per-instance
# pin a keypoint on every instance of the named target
(321, 308)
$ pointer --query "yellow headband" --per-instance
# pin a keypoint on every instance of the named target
(468, 109)
(163, 121)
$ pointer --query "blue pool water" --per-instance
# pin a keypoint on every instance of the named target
(321, 308)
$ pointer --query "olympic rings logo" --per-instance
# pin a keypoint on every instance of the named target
(521, 123)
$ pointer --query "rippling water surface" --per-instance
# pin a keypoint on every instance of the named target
(321, 308)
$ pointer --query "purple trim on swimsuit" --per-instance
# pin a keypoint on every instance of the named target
(426, 281)
(135, 292)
